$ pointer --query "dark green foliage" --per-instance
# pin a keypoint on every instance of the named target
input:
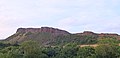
(10, 52)
(85, 52)
(108, 48)
(69, 51)
(109, 41)
(86, 39)
(4, 44)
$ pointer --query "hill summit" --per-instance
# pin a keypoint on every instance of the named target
(51, 30)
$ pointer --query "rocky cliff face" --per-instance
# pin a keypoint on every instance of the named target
(100, 34)
(51, 30)
(44, 35)
(49, 35)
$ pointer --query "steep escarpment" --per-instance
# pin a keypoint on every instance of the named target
(51, 30)
(99, 34)
(44, 35)
(54, 36)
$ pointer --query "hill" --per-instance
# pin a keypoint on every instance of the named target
(54, 36)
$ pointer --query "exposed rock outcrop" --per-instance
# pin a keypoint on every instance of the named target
(43, 35)
(87, 33)
(54, 31)
(98, 34)
(49, 36)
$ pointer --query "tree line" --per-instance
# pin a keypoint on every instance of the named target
(107, 48)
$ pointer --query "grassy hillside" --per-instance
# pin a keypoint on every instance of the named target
(45, 38)
(54, 36)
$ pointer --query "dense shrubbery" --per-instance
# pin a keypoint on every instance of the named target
(107, 48)
(86, 39)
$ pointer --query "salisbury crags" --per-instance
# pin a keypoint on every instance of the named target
(51, 30)
(54, 36)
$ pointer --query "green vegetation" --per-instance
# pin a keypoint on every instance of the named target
(107, 48)
(73, 38)
(45, 38)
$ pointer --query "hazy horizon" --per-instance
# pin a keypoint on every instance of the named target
(74, 16)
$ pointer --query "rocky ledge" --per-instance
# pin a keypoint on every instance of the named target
(42, 29)
(99, 34)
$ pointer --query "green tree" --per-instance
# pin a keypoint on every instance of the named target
(107, 48)
(11, 52)
(31, 49)
(68, 51)
(85, 52)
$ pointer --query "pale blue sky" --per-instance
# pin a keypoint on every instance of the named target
(71, 15)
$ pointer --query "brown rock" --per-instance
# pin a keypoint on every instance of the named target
(43, 29)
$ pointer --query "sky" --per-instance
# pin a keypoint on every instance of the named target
(71, 15)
